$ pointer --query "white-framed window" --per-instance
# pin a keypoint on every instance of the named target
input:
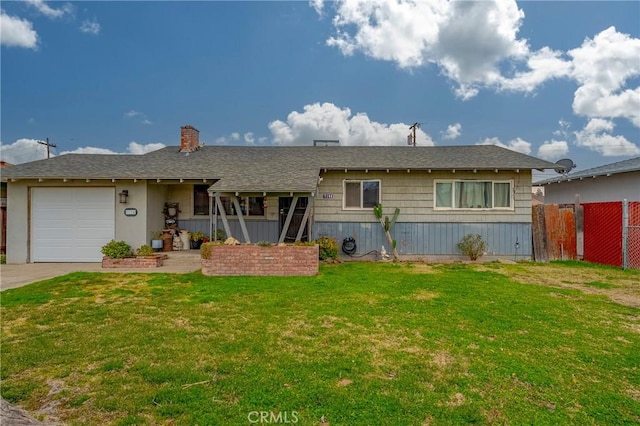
(250, 206)
(473, 194)
(360, 194)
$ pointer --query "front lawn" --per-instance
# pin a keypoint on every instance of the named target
(360, 344)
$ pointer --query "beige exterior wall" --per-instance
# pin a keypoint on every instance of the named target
(133, 230)
(17, 222)
(413, 194)
(156, 196)
(183, 194)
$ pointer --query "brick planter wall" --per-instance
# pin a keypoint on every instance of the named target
(256, 260)
(134, 262)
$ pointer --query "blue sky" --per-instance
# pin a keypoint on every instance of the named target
(551, 79)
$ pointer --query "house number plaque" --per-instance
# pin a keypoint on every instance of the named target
(131, 212)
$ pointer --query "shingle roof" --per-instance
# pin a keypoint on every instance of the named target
(630, 165)
(273, 169)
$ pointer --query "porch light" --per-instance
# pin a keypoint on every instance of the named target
(123, 196)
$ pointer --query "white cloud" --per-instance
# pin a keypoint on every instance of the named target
(133, 148)
(517, 144)
(138, 115)
(23, 151)
(553, 150)
(467, 40)
(90, 26)
(17, 32)
(318, 5)
(327, 121)
(476, 45)
(453, 131)
(602, 67)
(26, 150)
(597, 136)
(249, 138)
(49, 11)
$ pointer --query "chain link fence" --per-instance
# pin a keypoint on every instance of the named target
(612, 233)
(631, 234)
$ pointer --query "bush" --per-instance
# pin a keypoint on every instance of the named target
(116, 249)
(3, 259)
(472, 245)
(328, 248)
(264, 244)
(221, 235)
(205, 249)
(197, 236)
(144, 250)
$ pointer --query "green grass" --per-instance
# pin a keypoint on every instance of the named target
(360, 344)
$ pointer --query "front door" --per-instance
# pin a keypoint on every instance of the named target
(284, 205)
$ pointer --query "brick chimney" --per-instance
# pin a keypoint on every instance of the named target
(189, 138)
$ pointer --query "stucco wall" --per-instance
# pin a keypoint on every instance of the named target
(156, 196)
(413, 194)
(130, 229)
(17, 222)
(593, 190)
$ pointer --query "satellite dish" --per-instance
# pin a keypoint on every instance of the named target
(565, 166)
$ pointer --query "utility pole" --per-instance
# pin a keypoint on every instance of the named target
(413, 127)
(49, 146)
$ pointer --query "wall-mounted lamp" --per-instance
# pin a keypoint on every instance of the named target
(123, 196)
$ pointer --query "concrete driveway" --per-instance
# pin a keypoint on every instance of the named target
(18, 275)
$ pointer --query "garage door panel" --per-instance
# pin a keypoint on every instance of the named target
(71, 224)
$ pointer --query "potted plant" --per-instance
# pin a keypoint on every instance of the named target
(156, 242)
(197, 238)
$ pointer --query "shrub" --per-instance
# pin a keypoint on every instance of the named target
(144, 250)
(205, 249)
(3, 259)
(328, 248)
(197, 236)
(116, 249)
(221, 235)
(264, 244)
(472, 245)
(304, 243)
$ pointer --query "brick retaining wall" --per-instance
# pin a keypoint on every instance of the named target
(256, 260)
(133, 262)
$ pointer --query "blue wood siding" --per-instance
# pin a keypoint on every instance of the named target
(431, 238)
(259, 230)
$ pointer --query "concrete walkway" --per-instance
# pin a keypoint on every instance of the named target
(13, 276)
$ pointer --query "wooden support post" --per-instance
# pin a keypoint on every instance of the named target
(287, 222)
(243, 226)
(223, 215)
(303, 224)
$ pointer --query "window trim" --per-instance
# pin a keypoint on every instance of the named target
(246, 215)
(493, 195)
(344, 193)
(193, 204)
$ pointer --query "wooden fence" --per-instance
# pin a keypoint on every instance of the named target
(606, 232)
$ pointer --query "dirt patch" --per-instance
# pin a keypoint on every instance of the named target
(616, 285)
(425, 295)
(421, 268)
(442, 359)
(456, 400)
(345, 382)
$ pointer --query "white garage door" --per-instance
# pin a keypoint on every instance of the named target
(71, 224)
